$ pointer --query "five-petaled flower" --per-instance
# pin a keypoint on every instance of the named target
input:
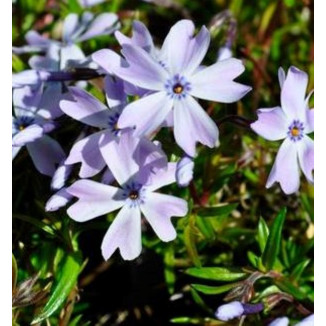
(173, 82)
(137, 194)
(293, 121)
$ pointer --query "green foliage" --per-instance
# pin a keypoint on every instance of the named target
(66, 280)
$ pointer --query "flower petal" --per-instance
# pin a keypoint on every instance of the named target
(15, 151)
(60, 199)
(60, 176)
(229, 311)
(309, 127)
(70, 25)
(308, 321)
(162, 177)
(27, 135)
(146, 114)
(306, 157)
(140, 37)
(293, 94)
(119, 156)
(180, 34)
(185, 171)
(286, 168)
(95, 199)
(281, 76)
(281, 321)
(215, 83)
(103, 24)
(87, 152)
(158, 210)
(192, 124)
(143, 70)
(46, 154)
(86, 108)
(108, 60)
(272, 124)
(124, 233)
(187, 56)
(114, 91)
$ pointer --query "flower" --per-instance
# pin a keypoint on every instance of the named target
(30, 126)
(75, 29)
(236, 309)
(229, 311)
(173, 83)
(137, 195)
(90, 111)
(291, 122)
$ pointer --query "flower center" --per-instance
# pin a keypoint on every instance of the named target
(133, 194)
(296, 130)
(178, 89)
(113, 123)
(23, 122)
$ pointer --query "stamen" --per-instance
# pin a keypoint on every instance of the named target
(133, 194)
(21, 127)
(177, 89)
(295, 132)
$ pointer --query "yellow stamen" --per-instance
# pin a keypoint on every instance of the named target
(295, 132)
(178, 89)
(21, 127)
(133, 194)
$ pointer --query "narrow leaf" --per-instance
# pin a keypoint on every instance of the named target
(65, 281)
(214, 211)
(299, 269)
(216, 273)
(211, 290)
(263, 233)
(290, 288)
(14, 272)
(273, 244)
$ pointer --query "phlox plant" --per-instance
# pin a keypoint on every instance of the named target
(160, 165)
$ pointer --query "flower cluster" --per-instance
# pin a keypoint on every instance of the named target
(146, 88)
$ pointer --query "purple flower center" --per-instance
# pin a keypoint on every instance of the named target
(177, 87)
(295, 130)
(134, 193)
(113, 124)
(22, 122)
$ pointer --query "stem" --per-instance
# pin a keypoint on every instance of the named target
(76, 74)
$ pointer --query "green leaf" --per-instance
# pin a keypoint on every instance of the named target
(190, 241)
(263, 233)
(198, 299)
(273, 244)
(216, 273)
(205, 227)
(213, 211)
(64, 283)
(299, 269)
(253, 258)
(169, 271)
(39, 224)
(211, 290)
(14, 272)
(290, 288)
